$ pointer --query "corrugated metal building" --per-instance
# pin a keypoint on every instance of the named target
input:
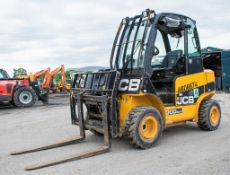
(219, 61)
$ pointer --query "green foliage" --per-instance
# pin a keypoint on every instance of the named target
(57, 77)
(67, 74)
(20, 71)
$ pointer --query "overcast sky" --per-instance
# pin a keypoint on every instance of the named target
(37, 34)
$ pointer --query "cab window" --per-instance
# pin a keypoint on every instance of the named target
(159, 44)
(1, 75)
(193, 41)
(176, 41)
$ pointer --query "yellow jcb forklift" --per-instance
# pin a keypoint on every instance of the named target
(156, 79)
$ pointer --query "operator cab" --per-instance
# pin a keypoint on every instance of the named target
(176, 41)
(160, 48)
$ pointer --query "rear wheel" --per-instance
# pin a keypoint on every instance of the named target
(144, 127)
(24, 97)
(209, 115)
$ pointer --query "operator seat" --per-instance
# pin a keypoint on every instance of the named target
(171, 59)
(163, 77)
(172, 65)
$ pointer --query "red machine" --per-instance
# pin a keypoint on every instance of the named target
(20, 92)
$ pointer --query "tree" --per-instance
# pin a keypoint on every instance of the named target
(57, 77)
(67, 74)
(20, 72)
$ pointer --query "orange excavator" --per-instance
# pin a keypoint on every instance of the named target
(48, 79)
(34, 77)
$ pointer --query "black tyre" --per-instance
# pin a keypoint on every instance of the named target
(143, 127)
(24, 97)
(209, 115)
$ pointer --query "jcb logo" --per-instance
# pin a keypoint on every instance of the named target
(185, 100)
(129, 85)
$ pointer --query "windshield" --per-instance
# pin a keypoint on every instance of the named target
(160, 45)
(3, 74)
(131, 43)
(169, 42)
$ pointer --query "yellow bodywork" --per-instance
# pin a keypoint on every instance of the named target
(59, 86)
(127, 102)
(22, 76)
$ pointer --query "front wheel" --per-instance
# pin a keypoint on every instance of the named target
(144, 127)
(24, 97)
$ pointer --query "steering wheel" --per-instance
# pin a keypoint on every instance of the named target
(156, 51)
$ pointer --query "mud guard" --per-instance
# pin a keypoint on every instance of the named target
(42, 95)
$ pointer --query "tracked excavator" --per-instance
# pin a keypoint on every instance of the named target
(35, 76)
(48, 79)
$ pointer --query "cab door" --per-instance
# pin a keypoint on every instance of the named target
(189, 87)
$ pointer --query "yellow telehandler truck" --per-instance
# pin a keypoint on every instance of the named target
(156, 79)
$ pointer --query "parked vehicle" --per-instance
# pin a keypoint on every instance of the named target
(20, 92)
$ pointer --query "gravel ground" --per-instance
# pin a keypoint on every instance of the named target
(182, 149)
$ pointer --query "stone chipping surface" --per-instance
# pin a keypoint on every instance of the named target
(182, 149)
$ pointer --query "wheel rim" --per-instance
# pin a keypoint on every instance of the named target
(214, 115)
(25, 97)
(148, 128)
